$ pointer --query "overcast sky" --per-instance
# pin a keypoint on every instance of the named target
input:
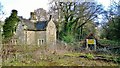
(24, 7)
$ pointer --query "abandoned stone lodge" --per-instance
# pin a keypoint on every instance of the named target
(34, 32)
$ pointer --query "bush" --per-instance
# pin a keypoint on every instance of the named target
(109, 42)
(118, 59)
(89, 56)
(69, 38)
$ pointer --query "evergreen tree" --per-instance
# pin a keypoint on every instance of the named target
(9, 28)
(111, 30)
(114, 29)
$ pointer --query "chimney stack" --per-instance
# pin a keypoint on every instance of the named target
(33, 17)
(50, 17)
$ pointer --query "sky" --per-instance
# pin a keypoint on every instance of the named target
(24, 7)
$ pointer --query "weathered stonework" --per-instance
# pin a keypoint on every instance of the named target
(51, 33)
(36, 33)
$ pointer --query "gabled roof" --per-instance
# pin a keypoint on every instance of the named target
(29, 24)
(35, 26)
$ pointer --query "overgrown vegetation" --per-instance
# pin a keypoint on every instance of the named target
(109, 42)
(45, 56)
(111, 26)
(75, 19)
(9, 28)
(68, 38)
(89, 56)
(112, 29)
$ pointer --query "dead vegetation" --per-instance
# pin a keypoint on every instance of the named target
(49, 55)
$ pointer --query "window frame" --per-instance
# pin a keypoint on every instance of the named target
(40, 41)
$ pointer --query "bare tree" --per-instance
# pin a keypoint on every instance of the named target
(74, 15)
(41, 14)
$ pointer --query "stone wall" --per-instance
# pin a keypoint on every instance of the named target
(40, 37)
(30, 37)
(51, 33)
(20, 34)
(34, 37)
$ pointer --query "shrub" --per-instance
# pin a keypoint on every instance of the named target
(109, 42)
(118, 59)
(89, 56)
(68, 38)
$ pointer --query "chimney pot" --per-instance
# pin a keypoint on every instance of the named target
(50, 17)
(32, 16)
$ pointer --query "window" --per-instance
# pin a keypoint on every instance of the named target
(14, 41)
(40, 41)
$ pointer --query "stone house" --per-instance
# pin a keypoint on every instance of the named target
(33, 32)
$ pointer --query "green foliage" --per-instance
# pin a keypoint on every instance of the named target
(112, 30)
(9, 28)
(69, 38)
(73, 17)
(109, 42)
(0, 33)
(73, 54)
(31, 57)
(90, 56)
(116, 59)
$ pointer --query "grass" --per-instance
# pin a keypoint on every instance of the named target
(38, 56)
(89, 56)
(73, 54)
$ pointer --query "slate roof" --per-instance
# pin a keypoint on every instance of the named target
(35, 26)
(41, 25)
